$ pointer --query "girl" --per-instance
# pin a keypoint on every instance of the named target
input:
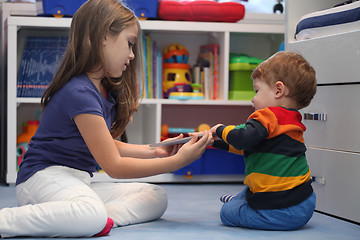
(87, 106)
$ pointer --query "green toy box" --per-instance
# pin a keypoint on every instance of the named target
(241, 85)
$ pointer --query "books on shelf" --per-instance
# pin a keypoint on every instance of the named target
(150, 84)
(42, 56)
(206, 71)
(40, 61)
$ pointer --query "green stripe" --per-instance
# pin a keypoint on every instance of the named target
(276, 165)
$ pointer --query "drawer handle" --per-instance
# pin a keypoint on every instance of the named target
(315, 116)
(320, 180)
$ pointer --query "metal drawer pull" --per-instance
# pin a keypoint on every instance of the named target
(320, 180)
(315, 116)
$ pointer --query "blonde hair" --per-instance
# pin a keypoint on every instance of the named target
(84, 53)
(294, 71)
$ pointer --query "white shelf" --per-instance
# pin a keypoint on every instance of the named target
(28, 100)
(164, 101)
(169, 177)
(39, 22)
(252, 23)
(199, 102)
(257, 35)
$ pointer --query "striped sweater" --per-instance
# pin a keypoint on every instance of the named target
(277, 172)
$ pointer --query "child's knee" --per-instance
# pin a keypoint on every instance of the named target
(92, 216)
(225, 219)
(229, 214)
(160, 198)
(159, 192)
(150, 202)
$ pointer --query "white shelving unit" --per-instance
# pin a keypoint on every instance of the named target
(257, 35)
(333, 145)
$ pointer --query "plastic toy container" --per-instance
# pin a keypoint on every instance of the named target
(29, 130)
(143, 8)
(61, 8)
(241, 85)
(215, 162)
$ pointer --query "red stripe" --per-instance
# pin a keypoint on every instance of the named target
(286, 117)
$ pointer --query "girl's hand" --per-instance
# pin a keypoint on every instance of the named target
(193, 149)
(165, 151)
(200, 134)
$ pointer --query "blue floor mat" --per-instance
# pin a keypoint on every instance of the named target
(193, 213)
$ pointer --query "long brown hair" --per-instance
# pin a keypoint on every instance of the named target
(84, 54)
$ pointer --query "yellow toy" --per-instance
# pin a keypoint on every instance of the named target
(176, 76)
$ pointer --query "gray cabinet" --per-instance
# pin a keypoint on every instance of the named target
(334, 141)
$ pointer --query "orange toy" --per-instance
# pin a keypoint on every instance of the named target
(30, 130)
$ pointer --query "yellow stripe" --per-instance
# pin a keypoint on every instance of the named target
(234, 150)
(259, 182)
(226, 131)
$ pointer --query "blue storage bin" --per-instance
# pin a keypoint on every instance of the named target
(61, 8)
(143, 8)
(215, 162)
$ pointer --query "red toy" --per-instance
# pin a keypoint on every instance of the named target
(201, 11)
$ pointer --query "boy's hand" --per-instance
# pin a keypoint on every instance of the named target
(213, 129)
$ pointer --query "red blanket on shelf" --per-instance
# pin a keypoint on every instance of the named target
(201, 11)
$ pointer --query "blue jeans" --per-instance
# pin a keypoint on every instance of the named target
(237, 213)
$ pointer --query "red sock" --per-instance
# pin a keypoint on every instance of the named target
(107, 228)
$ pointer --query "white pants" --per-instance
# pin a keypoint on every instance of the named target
(62, 202)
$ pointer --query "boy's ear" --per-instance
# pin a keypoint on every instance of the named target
(280, 89)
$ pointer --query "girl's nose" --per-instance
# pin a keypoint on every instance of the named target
(132, 55)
